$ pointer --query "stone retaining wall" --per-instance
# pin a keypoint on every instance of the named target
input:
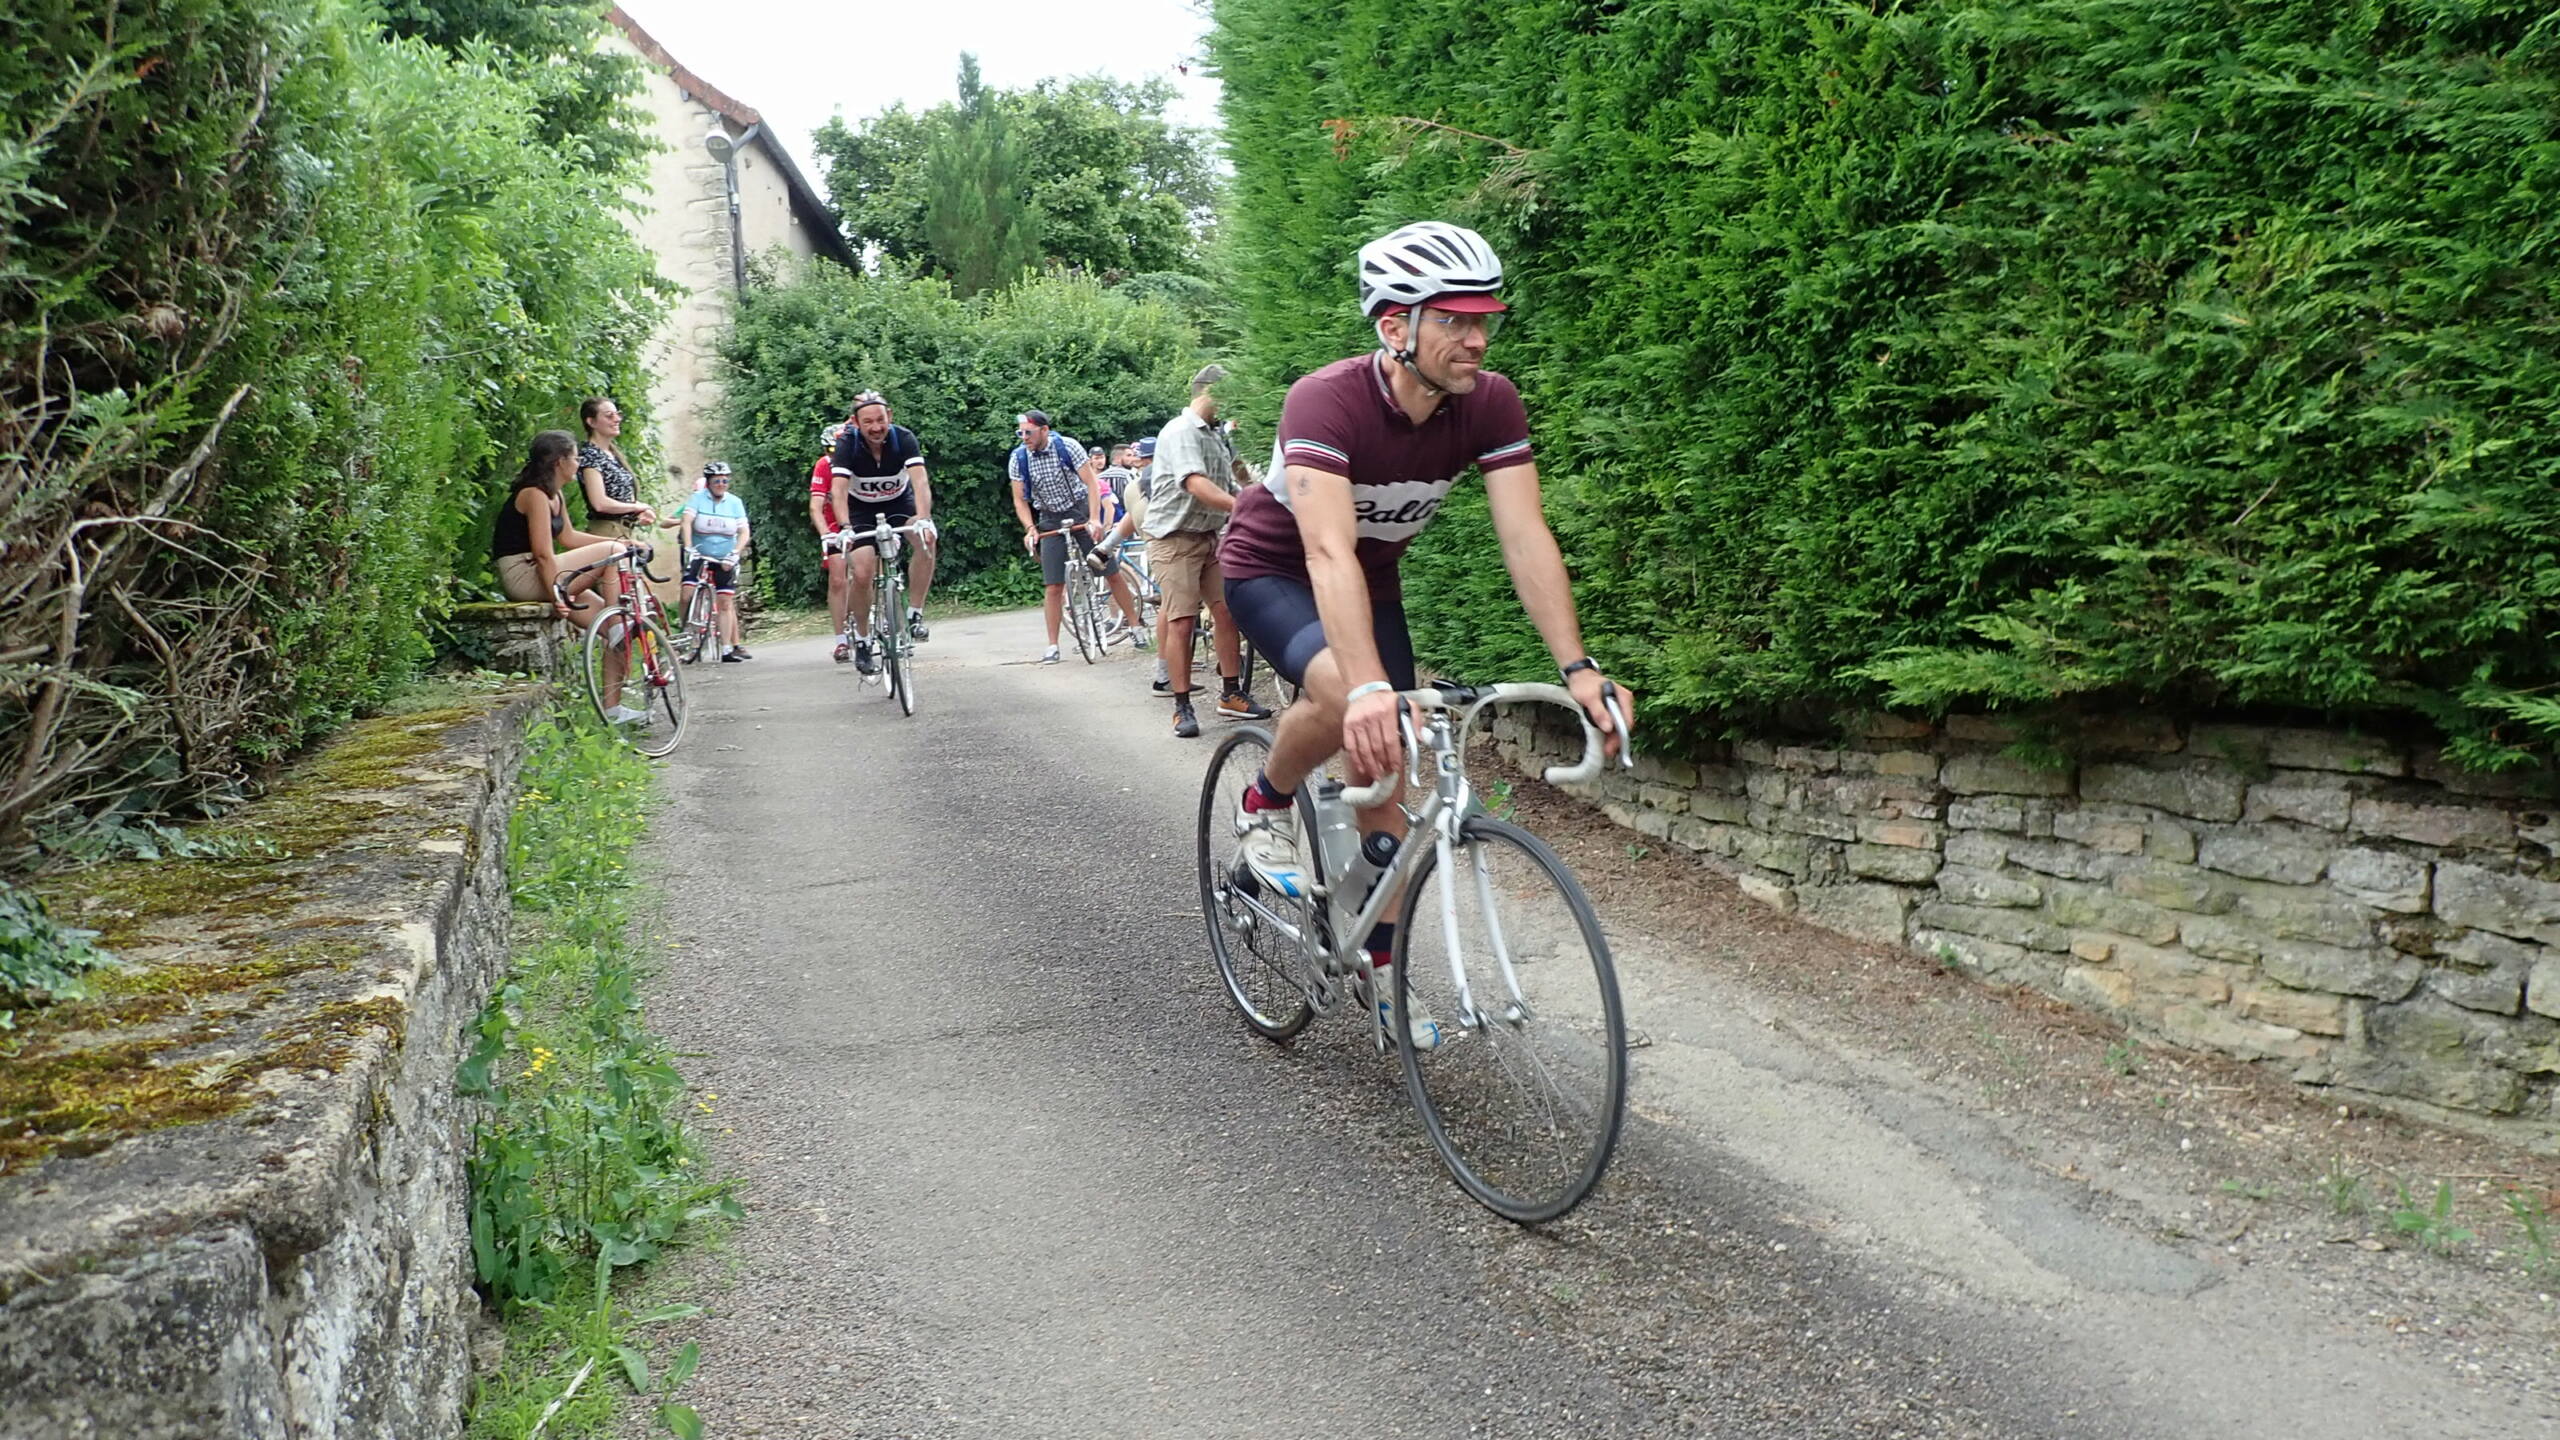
(526, 639)
(2349, 908)
(231, 1184)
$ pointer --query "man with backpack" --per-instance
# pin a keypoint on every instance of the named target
(1057, 492)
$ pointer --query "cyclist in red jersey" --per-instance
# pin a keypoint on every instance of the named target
(823, 520)
(1368, 449)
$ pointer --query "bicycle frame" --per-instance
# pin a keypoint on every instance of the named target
(1442, 810)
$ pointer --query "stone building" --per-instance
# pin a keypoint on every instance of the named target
(687, 222)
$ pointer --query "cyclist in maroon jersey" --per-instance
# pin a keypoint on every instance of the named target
(1368, 449)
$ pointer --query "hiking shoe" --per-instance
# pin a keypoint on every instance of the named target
(917, 630)
(1186, 726)
(844, 649)
(1268, 841)
(1236, 705)
(1049, 656)
(863, 659)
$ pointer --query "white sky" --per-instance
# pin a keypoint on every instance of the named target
(800, 61)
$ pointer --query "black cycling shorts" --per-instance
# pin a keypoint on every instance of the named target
(860, 517)
(1278, 614)
(723, 576)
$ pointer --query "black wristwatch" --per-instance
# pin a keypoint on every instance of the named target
(1585, 663)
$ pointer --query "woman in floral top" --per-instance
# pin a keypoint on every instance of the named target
(613, 492)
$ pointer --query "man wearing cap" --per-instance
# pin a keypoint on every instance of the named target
(1057, 492)
(1196, 479)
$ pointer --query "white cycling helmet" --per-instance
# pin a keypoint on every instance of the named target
(1447, 266)
(829, 436)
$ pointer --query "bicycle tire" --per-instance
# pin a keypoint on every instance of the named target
(1080, 619)
(591, 660)
(663, 676)
(697, 626)
(897, 648)
(1250, 960)
(657, 672)
(1452, 1086)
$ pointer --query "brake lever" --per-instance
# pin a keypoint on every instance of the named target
(1618, 717)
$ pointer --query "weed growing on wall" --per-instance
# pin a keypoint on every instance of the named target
(583, 1167)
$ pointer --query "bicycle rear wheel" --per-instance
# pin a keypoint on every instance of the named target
(1260, 965)
(1525, 1106)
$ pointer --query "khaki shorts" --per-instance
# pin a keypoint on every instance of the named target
(521, 578)
(1185, 564)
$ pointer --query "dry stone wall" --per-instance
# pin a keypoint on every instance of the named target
(2351, 909)
(288, 1253)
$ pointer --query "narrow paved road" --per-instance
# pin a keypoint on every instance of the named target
(1015, 1170)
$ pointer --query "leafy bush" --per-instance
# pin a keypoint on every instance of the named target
(1104, 365)
(1939, 353)
(41, 959)
(281, 299)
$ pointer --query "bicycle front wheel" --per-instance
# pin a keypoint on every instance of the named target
(1260, 965)
(898, 653)
(657, 678)
(1081, 619)
(636, 682)
(697, 625)
(1524, 1104)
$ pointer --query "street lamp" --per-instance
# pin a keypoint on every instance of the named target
(725, 150)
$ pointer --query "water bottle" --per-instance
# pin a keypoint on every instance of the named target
(1377, 851)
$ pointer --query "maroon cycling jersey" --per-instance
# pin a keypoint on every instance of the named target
(1344, 421)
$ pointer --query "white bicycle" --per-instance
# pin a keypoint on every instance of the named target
(1524, 1095)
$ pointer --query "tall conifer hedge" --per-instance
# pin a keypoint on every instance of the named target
(1973, 351)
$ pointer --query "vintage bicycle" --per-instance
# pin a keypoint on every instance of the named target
(889, 638)
(627, 655)
(1525, 1092)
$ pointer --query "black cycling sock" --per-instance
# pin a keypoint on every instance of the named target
(1232, 687)
(1382, 942)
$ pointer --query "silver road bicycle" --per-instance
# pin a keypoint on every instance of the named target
(1524, 1093)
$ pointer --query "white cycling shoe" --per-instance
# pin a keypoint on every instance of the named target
(625, 715)
(1268, 842)
(1427, 1031)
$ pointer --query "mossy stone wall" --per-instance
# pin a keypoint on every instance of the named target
(231, 1182)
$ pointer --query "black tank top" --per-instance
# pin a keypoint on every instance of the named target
(513, 538)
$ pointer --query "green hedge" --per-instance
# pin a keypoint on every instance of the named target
(1103, 364)
(1950, 353)
(370, 255)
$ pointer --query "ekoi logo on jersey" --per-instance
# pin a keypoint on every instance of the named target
(1399, 511)
(872, 489)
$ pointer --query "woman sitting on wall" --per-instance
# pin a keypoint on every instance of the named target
(612, 491)
(534, 544)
